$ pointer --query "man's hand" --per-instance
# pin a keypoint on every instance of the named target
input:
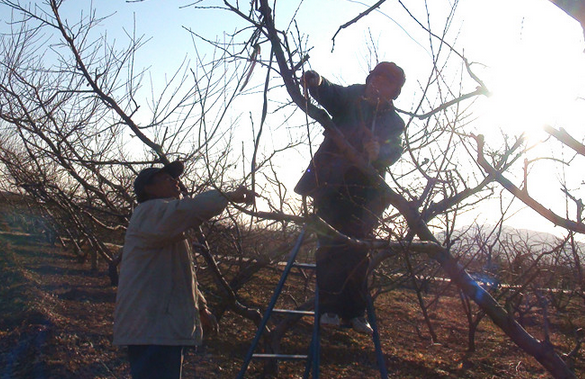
(208, 322)
(311, 79)
(242, 195)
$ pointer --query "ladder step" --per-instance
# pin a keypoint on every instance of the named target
(305, 265)
(291, 357)
(294, 312)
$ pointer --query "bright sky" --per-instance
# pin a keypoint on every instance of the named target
(532, 51)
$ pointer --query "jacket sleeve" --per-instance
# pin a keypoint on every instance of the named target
(391, 141)
(161, 221)
(333, 97)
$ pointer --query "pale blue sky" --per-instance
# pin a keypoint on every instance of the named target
(532, 52)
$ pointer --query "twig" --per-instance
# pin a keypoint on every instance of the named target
(354, 20)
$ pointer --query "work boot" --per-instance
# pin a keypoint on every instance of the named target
(329, 319)
(361, 325)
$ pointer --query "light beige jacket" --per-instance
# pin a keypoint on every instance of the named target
(156, 302)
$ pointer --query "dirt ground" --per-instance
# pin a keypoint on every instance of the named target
(56, 321)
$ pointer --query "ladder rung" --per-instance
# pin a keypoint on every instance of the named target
(280, 356)
(294, 312)
(305, 265)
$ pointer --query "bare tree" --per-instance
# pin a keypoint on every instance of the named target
(450, 168)
(69, 118)
(72, 145)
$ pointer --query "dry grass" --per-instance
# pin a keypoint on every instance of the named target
(56, 322)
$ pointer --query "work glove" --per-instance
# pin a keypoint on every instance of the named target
(242, 195)
(372, 149)
(311, 79)
(208, 322)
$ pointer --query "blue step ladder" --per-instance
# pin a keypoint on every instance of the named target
(312, 357)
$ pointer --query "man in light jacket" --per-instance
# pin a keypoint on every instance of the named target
(159, 309)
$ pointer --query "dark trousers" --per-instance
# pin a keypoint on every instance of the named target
(354, 210)
(342, 279)
(155, 361)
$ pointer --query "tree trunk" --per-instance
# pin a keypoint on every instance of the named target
(543, 352)
(574, 8)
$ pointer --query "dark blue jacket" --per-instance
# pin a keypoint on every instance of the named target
(357, 120)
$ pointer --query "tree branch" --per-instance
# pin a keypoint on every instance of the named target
(544, 353)
(523, 195)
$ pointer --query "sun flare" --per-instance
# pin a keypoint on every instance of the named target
(530, 90)
(523, 99)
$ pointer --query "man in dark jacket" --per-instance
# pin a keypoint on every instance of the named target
(343, 195)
